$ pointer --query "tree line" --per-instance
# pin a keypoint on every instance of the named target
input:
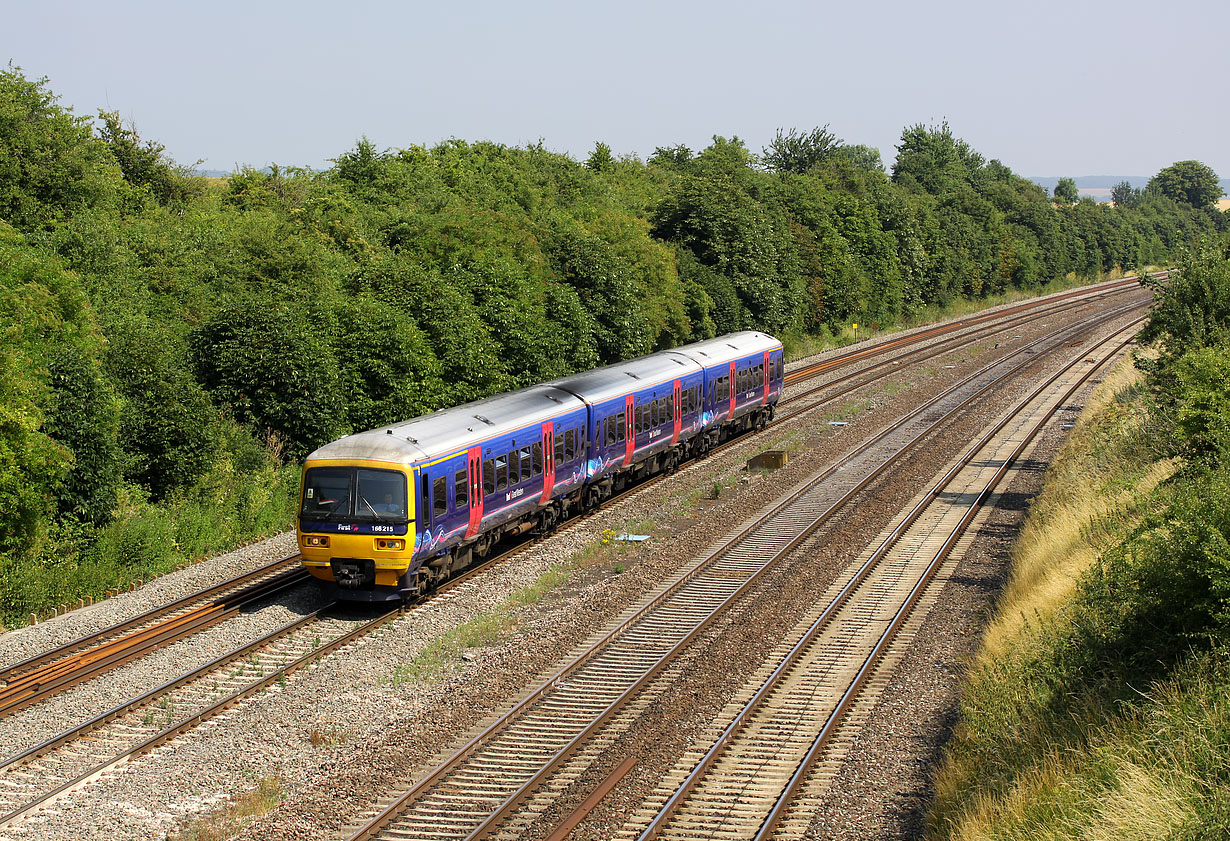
(171, 345)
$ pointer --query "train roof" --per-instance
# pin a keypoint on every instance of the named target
(602, 384)
(725, 349)
(456, 428)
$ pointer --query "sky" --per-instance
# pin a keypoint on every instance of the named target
(1069, 88)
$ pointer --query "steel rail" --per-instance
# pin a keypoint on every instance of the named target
(376, 824)
(40, 683)
(856, 581)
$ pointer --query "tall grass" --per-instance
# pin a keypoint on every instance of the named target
(1099, 706)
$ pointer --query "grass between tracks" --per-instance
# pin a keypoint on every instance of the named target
(447, 651)
(226, 821)
(1099, 706)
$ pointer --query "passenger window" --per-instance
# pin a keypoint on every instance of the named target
(501, 472)
(439, 496)
(527, 464)
(537, 457)
(461, 489)
(570, 445)
(488, 476)
(619, 427)
(559, 447)
(670, 409)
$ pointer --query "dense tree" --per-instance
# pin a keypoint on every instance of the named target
(601, 159)
(51, 165)
(1188, 181)
(1067, 192)
(932, 159)
(1124, 194)
(799, 152)
(269, 363)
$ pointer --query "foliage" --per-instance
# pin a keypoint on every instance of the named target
(1066, 191)
(1188, 181)
(1123, 194)
(795, 152)
(167, 344)
(144, 165)
(1193, 303)
(51, 166)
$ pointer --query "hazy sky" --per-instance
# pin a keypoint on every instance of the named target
(1076, 87)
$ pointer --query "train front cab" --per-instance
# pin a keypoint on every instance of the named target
(356, 527)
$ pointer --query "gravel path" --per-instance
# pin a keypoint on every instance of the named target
(337, 735)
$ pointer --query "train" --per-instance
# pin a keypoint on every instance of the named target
(390, 513)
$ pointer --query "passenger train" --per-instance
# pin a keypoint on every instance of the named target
(389, 513)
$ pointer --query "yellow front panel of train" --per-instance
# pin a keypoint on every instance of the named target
(356, 510)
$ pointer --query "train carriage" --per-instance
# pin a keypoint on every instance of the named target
(744, 375)
(456, 481)
(389, 512)
(643, 413)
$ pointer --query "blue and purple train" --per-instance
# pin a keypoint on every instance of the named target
(388, 513)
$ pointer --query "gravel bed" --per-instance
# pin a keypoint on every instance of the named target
(337, 736)
(78, 704)
(22, 643)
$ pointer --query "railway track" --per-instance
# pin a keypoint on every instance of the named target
(743, 786)
(36, 678)
(42, 775)
(46, 773)
(500, 780)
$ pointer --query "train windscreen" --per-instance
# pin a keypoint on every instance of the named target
(349, 493)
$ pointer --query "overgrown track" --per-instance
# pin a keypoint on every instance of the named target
(501, 779)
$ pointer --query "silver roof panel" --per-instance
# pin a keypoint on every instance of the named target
(456, 428)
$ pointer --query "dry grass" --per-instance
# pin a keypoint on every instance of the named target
(1074, 520)
(230, 819)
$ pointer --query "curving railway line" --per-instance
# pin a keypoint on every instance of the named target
(43, 774)
(500, 780)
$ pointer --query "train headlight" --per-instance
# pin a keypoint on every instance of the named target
(313, 540)
(394, 545)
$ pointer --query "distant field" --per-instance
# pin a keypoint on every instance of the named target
(1224, 204)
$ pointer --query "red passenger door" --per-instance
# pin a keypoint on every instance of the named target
(767, 362)
(475, 459)
(629, 430)
(548, 461)
(734, 395)
(677, 402)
